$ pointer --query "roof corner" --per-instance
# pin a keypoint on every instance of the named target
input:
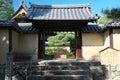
(22, 9)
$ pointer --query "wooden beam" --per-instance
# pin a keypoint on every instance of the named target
(111, 37)
(10, 40)
(9, 59)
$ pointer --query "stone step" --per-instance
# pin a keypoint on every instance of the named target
(60, 77)
(64, 70)
(60, 67)
(61, 72)
(73, 63)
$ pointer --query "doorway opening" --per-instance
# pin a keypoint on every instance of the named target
(60, 45)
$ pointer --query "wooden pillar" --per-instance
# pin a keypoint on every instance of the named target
(10, 40)
(111, 37)
(41, 43)
(78, 36)
(9, 59)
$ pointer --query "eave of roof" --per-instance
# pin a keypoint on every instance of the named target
(111, 24)
(28, 28)
(91, 28)
(10, 25)
(5, 24)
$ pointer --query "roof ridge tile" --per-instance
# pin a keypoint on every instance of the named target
(61, 6)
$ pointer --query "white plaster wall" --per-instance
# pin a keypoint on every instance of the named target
(15, 41)
(28, 43)
(92, 44)
(116, 38)
(92, 39)
(106, 39)
(91, 52)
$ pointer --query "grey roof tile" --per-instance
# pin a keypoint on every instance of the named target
(5, 23)
(112, 24)
(91, 28)
(60, 12)
(27, 27)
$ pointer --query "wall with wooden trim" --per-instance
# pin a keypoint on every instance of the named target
(116, 39)
(106, 39)
(110, 56)
(15, 41)
(4, 45)
(92, 44)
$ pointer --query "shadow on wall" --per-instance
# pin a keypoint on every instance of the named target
(95, 58)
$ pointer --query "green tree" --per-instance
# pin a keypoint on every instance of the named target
(103, 19)
(0, 3)
(113, 13)
(60, 39)
(109, 14)
(56, 42)
(6, 9)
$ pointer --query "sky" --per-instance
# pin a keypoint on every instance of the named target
(96, 5)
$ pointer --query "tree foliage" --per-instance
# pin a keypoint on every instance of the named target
(60, 39)
(113, 13)
(0, 3)
(109, 14)
(103, 19)
(6, 9)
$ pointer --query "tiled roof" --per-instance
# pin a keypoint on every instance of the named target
(5, 23)
(9, 24)
(113, 23)
(91, 28)
(27, 27)
(60, 12)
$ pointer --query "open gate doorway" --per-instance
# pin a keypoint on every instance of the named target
(60, 44)
(53, 43)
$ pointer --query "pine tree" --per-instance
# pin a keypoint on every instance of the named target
(113, 13)
(60, 39)
(6, 9)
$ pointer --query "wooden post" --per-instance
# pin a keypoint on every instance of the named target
(9, 59)
(111, 37)
(9, 66)
(78, 36)
(10, 40)
(41, 43)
